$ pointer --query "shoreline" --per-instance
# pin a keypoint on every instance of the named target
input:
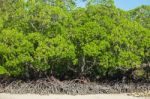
(54, 96)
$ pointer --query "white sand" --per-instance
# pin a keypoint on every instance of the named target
(99, 96)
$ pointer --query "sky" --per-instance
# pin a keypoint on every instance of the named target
(125, 4)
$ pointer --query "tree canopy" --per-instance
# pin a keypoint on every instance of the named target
(53, 37)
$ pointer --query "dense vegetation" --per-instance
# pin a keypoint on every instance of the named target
(39, 38)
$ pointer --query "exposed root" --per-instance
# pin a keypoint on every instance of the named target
(74, 87)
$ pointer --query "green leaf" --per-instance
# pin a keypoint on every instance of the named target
(3, 70)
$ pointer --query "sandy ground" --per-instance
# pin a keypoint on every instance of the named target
(99, 96)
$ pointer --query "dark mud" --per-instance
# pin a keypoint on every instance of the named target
(70, 87)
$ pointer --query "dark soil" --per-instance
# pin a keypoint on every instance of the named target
(73, 87)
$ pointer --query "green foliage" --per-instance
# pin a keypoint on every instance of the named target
(3, 71)
(52, 52)
(58, 37)
(15, 51)
(142, 15)
(103, 2)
